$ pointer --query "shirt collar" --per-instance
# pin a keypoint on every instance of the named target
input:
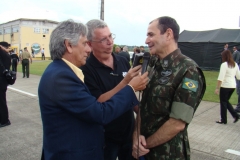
(96, 63)
(167, 61)
(75, 69)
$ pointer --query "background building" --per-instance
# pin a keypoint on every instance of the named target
(28, 33)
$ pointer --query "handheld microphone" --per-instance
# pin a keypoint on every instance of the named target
(146, 58)
(138, 59)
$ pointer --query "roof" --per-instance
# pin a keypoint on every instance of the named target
(218, 35)
(28, 19)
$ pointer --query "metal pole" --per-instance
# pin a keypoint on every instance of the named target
(102, 10)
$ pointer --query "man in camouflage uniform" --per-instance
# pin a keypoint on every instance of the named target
(171, 98)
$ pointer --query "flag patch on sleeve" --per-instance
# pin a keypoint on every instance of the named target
(190, 84)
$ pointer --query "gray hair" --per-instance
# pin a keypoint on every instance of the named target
(94, 24)
(125, 49)
(66, 30)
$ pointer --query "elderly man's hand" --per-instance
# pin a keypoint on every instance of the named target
(139, 82)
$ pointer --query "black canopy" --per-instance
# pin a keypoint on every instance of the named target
(205, 47)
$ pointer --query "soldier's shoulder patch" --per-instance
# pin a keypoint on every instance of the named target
(190, 84)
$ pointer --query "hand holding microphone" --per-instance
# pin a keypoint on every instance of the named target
(141, 59)
(139, 82)
(133, 72)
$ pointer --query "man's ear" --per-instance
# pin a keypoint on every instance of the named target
(68, 46)
(169, 32)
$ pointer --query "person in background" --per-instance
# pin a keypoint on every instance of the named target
(125, 53)
(104, 74)
(32, 50)
(20, 53)
(137, 51)
(175, 89)
(225, 47)
(6, 63)
(142, 49)
(117, 50)
(236, 55)
(226, 84)
(72, 118)
(134, 52)
(43, 54)
(25, 56)
(15, 60)
(236, 58)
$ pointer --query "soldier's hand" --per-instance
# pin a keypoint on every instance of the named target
(139, 146)
(139, 82)
(133, 72)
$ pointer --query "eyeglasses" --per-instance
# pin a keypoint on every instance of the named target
(111, 37)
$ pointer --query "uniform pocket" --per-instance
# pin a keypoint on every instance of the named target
(161, 100)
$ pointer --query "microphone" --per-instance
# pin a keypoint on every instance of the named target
(138, 59)
(146, 58)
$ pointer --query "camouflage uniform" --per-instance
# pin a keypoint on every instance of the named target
(175, 90)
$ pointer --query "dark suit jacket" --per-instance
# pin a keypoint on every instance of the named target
(125, 54)
(236, 57)
(72, 118)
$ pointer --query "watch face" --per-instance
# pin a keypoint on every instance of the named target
(36, 48)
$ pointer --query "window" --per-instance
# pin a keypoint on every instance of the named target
(1, 32)
(7, 31)
(15, 29)
(45, 30)
(37, 30)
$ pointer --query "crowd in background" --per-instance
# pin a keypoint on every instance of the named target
(123, 51)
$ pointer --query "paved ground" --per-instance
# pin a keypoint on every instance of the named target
(22, 140)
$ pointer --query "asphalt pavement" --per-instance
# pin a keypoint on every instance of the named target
(22, 140)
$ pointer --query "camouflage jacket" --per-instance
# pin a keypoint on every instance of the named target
(175, 90)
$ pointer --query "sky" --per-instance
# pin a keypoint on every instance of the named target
(129, 19)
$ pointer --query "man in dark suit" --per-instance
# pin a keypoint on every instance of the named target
(236, 55)
(15, 60)
(236, 58)
(6, 63)
(72, 118)
(125, 53)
